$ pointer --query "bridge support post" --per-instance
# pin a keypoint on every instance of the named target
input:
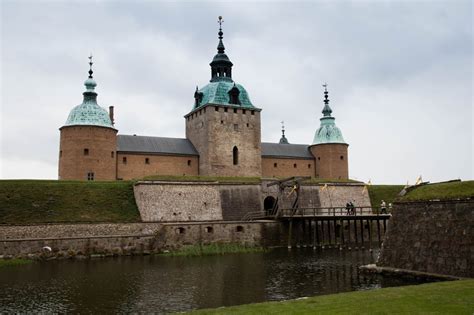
(290, 232)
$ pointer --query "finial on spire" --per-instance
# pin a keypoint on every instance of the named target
(220, 47)
(283, 139)
(90, 66)
(326, 110)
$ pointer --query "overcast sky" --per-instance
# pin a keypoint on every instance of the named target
(400, 75)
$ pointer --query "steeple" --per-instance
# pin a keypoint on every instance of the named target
(90, 84)
(283, 139)
(221, 66)
(326, 110)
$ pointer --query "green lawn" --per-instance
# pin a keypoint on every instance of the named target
(14, 262)
(451, 297)
(47, 201)
(388, 193)
(190, 178)
(442, 191)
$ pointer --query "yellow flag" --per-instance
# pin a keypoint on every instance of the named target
(419, 180)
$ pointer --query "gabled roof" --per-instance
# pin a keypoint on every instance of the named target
(155, 145)
(286, 150)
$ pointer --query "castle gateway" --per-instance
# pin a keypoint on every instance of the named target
(223, 138)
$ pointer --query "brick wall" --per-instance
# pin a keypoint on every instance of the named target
(331, 160)
(279, 167)
(136, 165)
(434, 237)
(101, 145)
(216, 130)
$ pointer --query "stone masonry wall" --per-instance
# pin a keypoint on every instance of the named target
(83, 240)
(195, 201)
(434, 237)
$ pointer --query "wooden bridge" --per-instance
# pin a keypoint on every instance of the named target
(342, 227)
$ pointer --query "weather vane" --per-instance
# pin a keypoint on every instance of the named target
(220, 21)
(325, 85)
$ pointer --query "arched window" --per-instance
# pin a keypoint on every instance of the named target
(235, 155)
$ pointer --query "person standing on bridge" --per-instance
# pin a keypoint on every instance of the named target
(383, 207)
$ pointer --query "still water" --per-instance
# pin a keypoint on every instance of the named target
(170, 284)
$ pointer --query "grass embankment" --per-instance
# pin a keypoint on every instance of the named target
(388, 193)
(14, 262)
(452, 297)
(50, 201)
(189, 178)
(441, 191)
(214, 249)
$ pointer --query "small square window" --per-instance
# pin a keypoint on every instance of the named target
(294, 165)
(319, 158)
(86, 151)
(90, 176)
(216, 108)
(309, 165)
(342, 157)
(247, 124)
(275, 165)
(225, 110)
(252, 112)
(112, 154)
(147, 160)
(222, 121)
(124, 160)
(235, 110)
(189, 162)
(243, 111)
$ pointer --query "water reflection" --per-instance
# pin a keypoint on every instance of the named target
(170, 284)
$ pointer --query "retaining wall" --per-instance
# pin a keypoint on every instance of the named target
(435, 237)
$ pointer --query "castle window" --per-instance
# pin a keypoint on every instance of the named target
(275, 165)
(124, 160)
(235, 155)
(319, 158)
(247, 124)
(147, 160)
(217, 108)
(309, 165)
(60, 153)
(294, 165)
(342, 157)
(252, 112)
(243, 111)
(112, 154)
(222, 121)
(86, 151)
(180, 230)
(189, 162)
(209, 229)
(235, 110)
(234, 96)
(225, 109)
(239, 228)
(90, 176)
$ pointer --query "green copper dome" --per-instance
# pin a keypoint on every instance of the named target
(328, 132)
(218, 93)
(89, 112)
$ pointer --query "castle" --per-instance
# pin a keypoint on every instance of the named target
(223, 138)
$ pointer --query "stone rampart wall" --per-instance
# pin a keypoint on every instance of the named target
(83, 240)
(435, 237)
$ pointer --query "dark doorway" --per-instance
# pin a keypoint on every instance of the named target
(268, 204)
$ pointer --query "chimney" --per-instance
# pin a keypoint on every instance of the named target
(111, 114)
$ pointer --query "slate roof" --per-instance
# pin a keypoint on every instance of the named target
(155, 145)
(286, 150)
(178, 146)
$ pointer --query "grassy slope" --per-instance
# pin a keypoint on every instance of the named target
(44, 201)
(453, 297)
(388, 193)
(14, 262)
(189, 178)
(441, 191)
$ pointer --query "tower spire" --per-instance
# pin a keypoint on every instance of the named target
(221, 66)
(326, 110)
(90, 66)
(283, 139)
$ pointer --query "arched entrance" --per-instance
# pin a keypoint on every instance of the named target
(268, 204)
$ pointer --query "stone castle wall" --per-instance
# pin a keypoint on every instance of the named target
(280, 167)
(435, 237)
(133, 166)
(86, 149)
(89, 240)
(216, 130)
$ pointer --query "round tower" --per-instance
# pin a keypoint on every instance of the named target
(88, 140)
(329, 148)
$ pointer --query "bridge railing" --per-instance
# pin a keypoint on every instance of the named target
(332, 211)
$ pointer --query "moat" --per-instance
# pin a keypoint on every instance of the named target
(171, 284)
